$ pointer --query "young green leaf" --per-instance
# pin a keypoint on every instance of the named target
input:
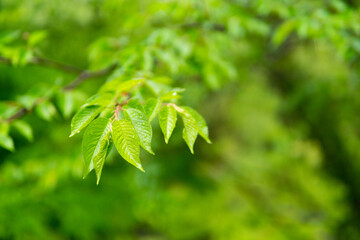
(135, 113)
(173, 94)
(65, 102)
(6, 142)
(200, 122)
(119, 85)
(135, 103)
(167, 120)
(100, 99)
(24, 129)
(152, 107)
(190, 131)
(83, 117)
(126, 142)
(95, 145)
(45, 110)
(156, 87)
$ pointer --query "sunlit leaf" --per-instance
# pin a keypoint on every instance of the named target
(95, 145)
(173, 94)
(152, 107)
(126, 142)
(167, 120)
(82, 118)
(100, 99)
(200, 122)
(190, 130)
(135, 113)
(119, 85)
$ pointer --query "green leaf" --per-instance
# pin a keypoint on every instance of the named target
(135, 103)
(7, 110)
(65, 101)
(152, 107)
(126, 142)
(24, 129)
(36, 37)
(6, 142)
(100, 99)
(283, 32)
(4, 128)
(173, 94)
(190, 131)
(156, 87)
(167, 120)
(83, 117)
(128, 85)
(27, 101)
(148, 61)
(119, 85)
(135, 113)
(200, 122)
(95, 145)
(9, 36)
(46, 110)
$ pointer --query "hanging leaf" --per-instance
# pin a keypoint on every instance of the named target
(126, 142)
(7, 142)
(200, 122)
(135, 113)
(283, 31)
(95, 145)
(83, 117)
(167, 120)
(152, 107)
(190, 131)
(46, 110)
(65, 102)
(24, 129)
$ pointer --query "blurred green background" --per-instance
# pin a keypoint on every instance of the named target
(277, 82)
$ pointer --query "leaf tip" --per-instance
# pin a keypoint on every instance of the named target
(141, 169)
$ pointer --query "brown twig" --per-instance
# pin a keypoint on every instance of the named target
(47, 63)
(88, 74)
(55, 64)
(215, 26)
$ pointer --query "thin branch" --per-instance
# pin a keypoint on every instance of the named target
(214, 26)
(47, 63)
(85, 75)
(88, 74)
(55, 64)
(217, 27)
(17, 115)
